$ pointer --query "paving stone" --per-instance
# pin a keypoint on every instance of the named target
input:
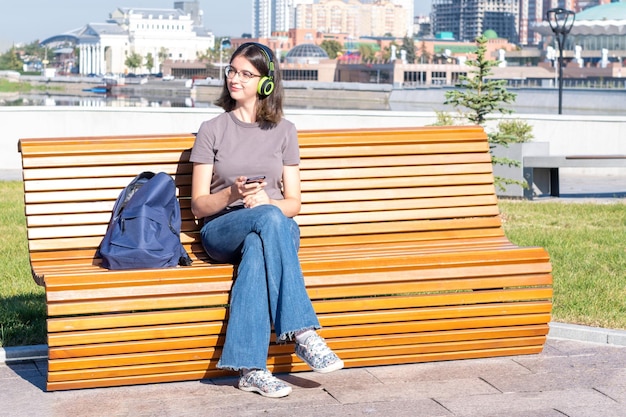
(568, 378)
(530, 402)
(613, 410)
(409, 391)
(434, 371)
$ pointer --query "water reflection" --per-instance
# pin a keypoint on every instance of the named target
(100, 100)
(111, 100)
(577, 102)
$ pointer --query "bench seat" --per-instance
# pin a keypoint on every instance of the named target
(542, 172)
(402, 249)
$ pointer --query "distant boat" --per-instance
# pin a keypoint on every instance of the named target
(101, 89)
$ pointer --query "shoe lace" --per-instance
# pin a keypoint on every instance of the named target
(265, 380)
(317, 347)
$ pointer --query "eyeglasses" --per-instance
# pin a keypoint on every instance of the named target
(244, 76)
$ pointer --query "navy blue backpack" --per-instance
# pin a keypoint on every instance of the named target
(144, 231)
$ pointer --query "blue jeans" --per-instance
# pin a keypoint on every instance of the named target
(269, 286)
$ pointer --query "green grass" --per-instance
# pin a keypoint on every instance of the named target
(7, 86)
(586, 242)
(587, 247)
(22, 303)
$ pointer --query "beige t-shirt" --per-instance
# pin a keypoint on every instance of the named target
(235, 148)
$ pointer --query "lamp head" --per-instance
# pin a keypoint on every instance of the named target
(561, 20)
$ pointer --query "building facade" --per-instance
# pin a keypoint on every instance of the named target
(353, 17)
(468, 19)
(530, 14)
(153, 35)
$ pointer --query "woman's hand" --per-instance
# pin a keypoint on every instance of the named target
(252, 194)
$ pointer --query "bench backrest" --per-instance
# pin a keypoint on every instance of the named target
(359, 186)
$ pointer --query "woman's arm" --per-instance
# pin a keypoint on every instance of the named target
(203, 203)
(290, 206)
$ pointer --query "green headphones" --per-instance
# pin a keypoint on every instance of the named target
(266, 83)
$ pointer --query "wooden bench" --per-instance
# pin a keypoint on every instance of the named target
(542, 172)
(403, 252)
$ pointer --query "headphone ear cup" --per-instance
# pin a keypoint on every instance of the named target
(266, 86)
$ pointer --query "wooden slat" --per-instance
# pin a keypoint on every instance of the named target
(357, 337)
(203, 372)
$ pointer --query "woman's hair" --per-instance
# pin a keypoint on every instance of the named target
(269, 108)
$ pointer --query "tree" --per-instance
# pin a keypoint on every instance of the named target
(367, 52)
(480, 96)
(133, 61)
(477, 93)
(10, 60)
(332, 48)
(424, 56)
(409, 46)
(164, 53)
(207, 56)
(35, 49)
(149, 62)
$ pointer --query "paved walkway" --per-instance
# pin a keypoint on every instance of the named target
(580, 373)
(569, 378)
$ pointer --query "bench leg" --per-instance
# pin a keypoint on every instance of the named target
(555, 191)
(529, 191)
(541, 181)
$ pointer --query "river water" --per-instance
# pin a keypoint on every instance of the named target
(528, 101)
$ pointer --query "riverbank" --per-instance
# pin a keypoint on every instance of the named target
(155, 92)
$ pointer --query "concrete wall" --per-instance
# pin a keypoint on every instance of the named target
(565, 134)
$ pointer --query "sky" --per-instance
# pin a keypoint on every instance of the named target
(25, 21)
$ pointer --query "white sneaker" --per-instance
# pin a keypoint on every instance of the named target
(264, 383)
(316, 353)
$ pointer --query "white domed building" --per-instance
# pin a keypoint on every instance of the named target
(308, 62)
(306, 53)
(154, 35)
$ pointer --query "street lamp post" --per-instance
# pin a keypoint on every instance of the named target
(561, 22)
(222, 42)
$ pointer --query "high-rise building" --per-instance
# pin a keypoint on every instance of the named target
(409, 7)
(468, 19)
(262, 18)
(354, 17)
(530, 13)
(274, 15)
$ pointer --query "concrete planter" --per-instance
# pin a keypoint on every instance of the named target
(516, 152)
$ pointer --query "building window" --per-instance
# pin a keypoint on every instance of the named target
(454, 77)
(415, 77)
(299, 75)
(438, 78)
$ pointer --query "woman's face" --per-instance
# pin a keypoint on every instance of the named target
(239, 90)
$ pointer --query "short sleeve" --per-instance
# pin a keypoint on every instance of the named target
(203, 150)
(291, 151)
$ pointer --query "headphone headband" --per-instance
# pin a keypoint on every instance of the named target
(270, 62)
(266, 83)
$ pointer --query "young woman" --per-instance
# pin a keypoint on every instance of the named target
(246, 188)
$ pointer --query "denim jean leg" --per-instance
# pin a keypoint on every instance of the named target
(249, 328)
(290, 305)
(269, 274)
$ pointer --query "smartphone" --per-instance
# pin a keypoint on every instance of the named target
(252, 180)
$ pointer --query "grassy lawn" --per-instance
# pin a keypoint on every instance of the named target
(587, 247)
(22, 303)
(586, 242)
(7, 86)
